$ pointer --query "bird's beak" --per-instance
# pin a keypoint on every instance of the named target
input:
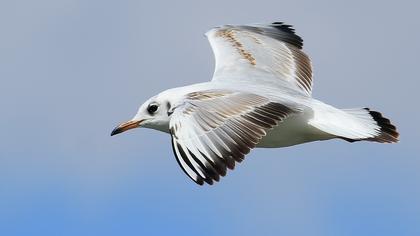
(126, 126)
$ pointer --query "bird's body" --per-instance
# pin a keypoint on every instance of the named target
(260, 96)
(293, 130)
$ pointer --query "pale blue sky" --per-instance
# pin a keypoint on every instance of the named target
(72, 69)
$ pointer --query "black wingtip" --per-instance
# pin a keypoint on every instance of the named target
(292, 37)
(282, 26)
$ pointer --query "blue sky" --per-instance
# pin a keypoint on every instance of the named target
(71, 70)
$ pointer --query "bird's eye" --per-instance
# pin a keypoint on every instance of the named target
(152, 108)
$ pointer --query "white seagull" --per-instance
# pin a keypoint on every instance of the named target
(260, 96)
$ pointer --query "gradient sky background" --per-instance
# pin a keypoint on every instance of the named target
(71, 70)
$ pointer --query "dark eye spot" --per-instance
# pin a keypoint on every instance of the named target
(152, 108)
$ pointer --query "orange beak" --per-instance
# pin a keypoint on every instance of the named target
(126, 126)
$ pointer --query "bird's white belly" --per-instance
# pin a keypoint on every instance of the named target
(294, 130)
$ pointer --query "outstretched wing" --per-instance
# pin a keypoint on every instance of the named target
(213, 129)
(261, 54)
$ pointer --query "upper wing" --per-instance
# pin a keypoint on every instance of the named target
(213, 129)
(261, 54)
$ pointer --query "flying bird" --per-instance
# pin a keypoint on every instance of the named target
(259, 96)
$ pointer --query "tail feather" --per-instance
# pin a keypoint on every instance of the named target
(388, 132)
(385, 131)
(355, 124)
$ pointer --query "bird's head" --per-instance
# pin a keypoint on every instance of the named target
(154, 114)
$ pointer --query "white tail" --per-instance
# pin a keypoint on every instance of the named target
(354, 124)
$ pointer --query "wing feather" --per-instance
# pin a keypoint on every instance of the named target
(218, 129)
(268, 54)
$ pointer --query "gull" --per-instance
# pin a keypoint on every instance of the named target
(259, 97)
